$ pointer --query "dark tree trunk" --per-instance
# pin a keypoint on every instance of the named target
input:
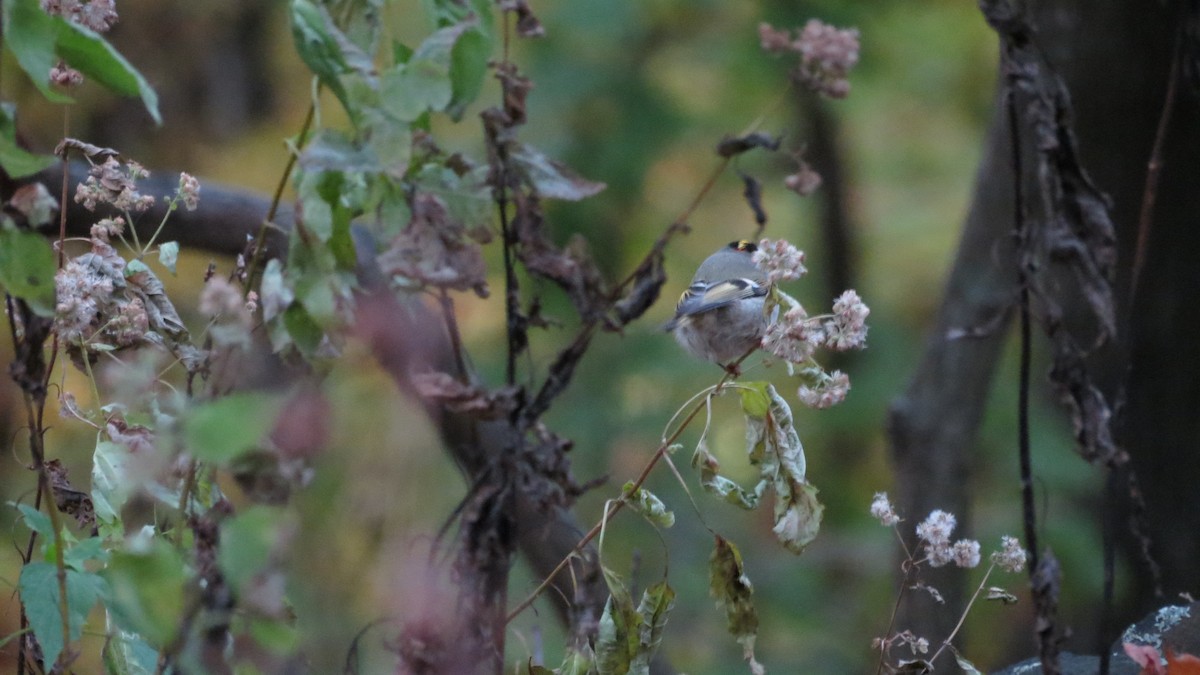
(1115, 58)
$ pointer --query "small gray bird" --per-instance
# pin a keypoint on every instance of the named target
(720, 315)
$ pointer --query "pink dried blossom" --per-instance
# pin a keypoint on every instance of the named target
(107, 228)
(65, 76)
(189, 191)
(827, 56)
(804, 182)
(883, 511)
(98, 15)
(114, 183)
(848, 327)
(965, 553)
(779, 260)
(934, 533)
(937, 527)
(831, 391)
(221, 298)
(1011, 556)
(774, 40)
(794, 336)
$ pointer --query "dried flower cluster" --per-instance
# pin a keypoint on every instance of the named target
(934, 533)
(98, 15)
(114, 183)
(804, 181)
(232, 315)
(883, 511)
(827, 54)
(65, 76)
(847, 329)
(93, 310)
(795, 336)
(779, 260)
(189, 191)
(826, 391)
(1010, 557)
(103, 302)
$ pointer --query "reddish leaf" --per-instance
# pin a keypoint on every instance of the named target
(1182, 664)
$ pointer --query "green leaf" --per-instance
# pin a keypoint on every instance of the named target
(39, 40)
(362, 23)
(35, 520)
(91, 548)
(147, 591)
(578, 662)
(468, 198)
(551, 178)
(390, 140)
(410, 89)
(329, 53)
(89, 53)
(220, 430)
(725, 488)
(16, 161)
(728, 583)
(613, 651)
(135, 267)
(32, 34)
(656, 604)
(278, 637)
(468, 67)
(247, 542)
(39, 593)
(168, 255)
(126, 653)
(111, 482)
(755, 399)
(401, 52)
(648, 505)
(27, 269)
(304, 331)
(316, 41)
(317, 214)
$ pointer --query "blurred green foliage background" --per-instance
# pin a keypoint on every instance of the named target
(636, 93)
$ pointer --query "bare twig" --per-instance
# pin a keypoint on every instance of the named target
(1154, 166)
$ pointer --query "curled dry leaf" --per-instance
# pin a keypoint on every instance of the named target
(70, 501)
(444, 389)
(648, 280)
(434, 250)
(571, 267)
(528, 25)
(752, 192)
(34, 202)
(736, 145)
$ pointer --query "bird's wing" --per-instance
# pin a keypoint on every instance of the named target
(702, 296)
